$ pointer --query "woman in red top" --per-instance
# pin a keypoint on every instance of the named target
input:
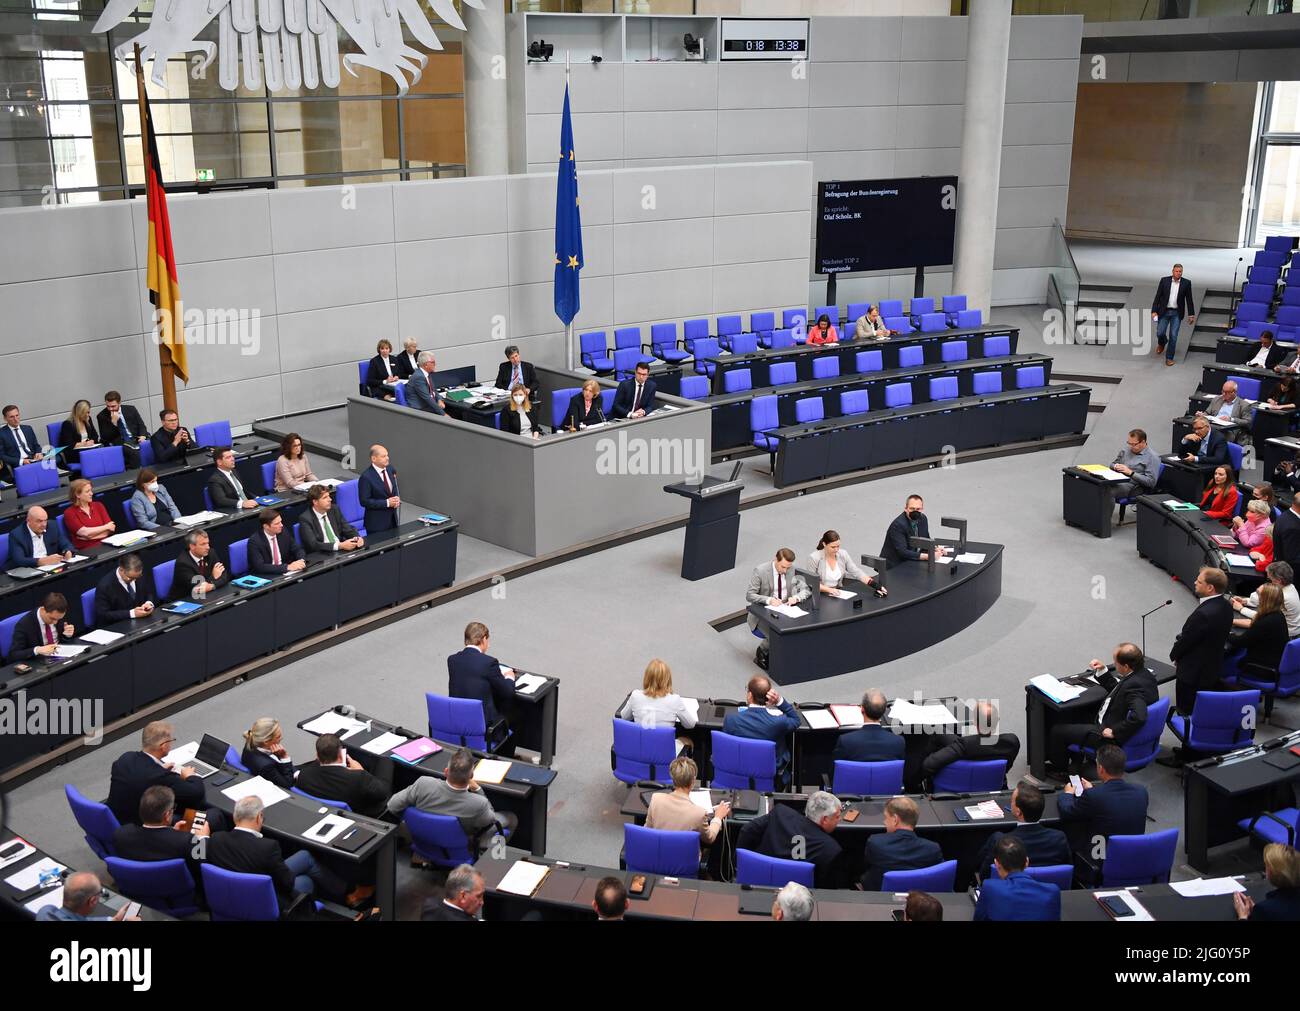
(1220, 499)
(87, 520)
(823, 332)
(1262, 553)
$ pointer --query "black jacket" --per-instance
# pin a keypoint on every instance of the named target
(1198, 651)
(28, 635)
(164, 451)
(1160, 304)
(775, 833)
(245, 853)
(313, 533)
(69, 436)
(903, 850)
(358, 789)
(1116, 807)
(376, 374)
(576, 414)
(187, 574)
(437, 910)
(1286, 539)
(625, 396)
(114, 604)
(510, 420)
(1264, 640)
(1047, 847)
(1275, 355)
(1216, 449)
(472, 674)
(260, 560)
(135, 842)
(111, 435)
(1281, 905)
(870, 743)
(405, 367)
(897, 547)
(279, 773)
(1129, 698)
(222, 491)
(971, 748)
(530, 376)
(134, 772)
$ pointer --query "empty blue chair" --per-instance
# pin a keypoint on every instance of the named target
(1273, 826)
(969, 319)
(706, 348)
(743, 764)
(437, 838)
(762, 322)
(593, 352)
(607, 400)
(939, 878)
(952, 305)
(460, 721)
(657, 851)
(663, 343)
(1060, 875)
(363, 368)
(52, 432)
(1264, 275)
(102, 462)
(782, 374)
(997, 347)
(943, 388)
(1291, 295)
(933, 322)
(234, 760)
(771, 872)
(240, 898)
(165, 885)
(1279, 243)
(627, 337)
(643, 753)
(729, 326)
(869, 361)
(868, 777)
(920, 307)
(625, 362)
(693, 330)
(1030, 377)
(987, 382)
(736, 380)
(35, 478)
(827, 367)
(891, 307)
(96, 820)
(781, 339)
(162, 577)
(809, 410)
(1286, 318)
(911, 356)
(763, 418)
(320, 800)
(214, 433)
(4, 545)
(857, 310)
(744, 343)
(1255, 329)
(1215, 725)
(1270, 257)
(967, 776)
(900, 324)
(795, 319)
(854, 402)
(1282, 683)
(695, 387)
(953, 351)
(1248, 387)
(1248, 312)
(239, 557)
(559, 408)
(898, 395)
(1257, 293)
(268, 476)
(7, 632)
(1139, 859)
(348, 499)
(88, 607)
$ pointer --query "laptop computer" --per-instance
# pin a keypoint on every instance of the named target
(209, 758)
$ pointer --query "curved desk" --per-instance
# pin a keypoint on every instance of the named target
(922, 608)
(1179, 541)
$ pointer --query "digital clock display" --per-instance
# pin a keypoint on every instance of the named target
(763, 39)
(766, 46)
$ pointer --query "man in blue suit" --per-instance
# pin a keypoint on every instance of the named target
(18, 443)
(636, 396)
(377, 490)
(898, 848)
(422, 388)
(1204, 446)
(1013, 894)
(37, 542)
(757, 723)
(871, 742)
(1112, 807)
(473, 674)
(1047, 847)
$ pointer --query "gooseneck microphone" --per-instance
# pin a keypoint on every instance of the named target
(1144, 625)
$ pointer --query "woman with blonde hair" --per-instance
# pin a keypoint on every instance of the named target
(1266, 636)
(86, 519)
(585, 407)
(1256, 525)
(1282, 904)
(519, 416)
(264, 753)
(77, 432)
(655, 704)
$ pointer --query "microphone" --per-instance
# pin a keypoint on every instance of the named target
(1144, 625)
(1234, 277)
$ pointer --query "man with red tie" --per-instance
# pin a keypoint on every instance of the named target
(636, 396)
(422, 388)
(378, 492)
(274, 552)
(39, 632)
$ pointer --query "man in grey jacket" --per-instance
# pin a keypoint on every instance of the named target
(774, 583)
(1230, 407)
(1138, 461)
(459, 797)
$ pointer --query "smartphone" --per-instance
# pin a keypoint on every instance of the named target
(132, 909)
(1117, 907)
(638, 885)
(200, 819)
(1077, 783)
(12, 847)
(852, 814)
(896, 915)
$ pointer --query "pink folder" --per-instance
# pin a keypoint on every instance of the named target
(416, 750)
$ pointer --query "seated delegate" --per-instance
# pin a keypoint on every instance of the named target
(86, 519)
(655, 704)
(757, 721)
(871, 742)
(121, 425)
(898, 848)
(18, 445)
(783, 831)
(225, 488)
(172, 441)
(35, 542)
(292, 468)
(77, 432)
(274, 552)
(985, 744)
(871, 326)
(198, 571)
(514, 371)
(337, 776)
(912, 522)
(152, 506)
(1138, 462)
(519, 416)
(265, 755)
(824, 332)
(40, 632)
(1011, 894)
(121, 595)
(1203, 445)
(635, 397)
(382, 374)
(674, 810)
(774, 583)
(323, 528)
(832, 564)
(585, 408)
(1221, 496)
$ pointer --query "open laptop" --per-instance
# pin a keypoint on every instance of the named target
(209, 758)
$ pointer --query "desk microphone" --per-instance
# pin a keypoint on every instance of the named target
(1144, 623)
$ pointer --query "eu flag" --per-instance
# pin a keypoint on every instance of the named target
(568, 224)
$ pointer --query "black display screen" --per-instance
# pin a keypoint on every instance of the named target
(766, 45)
(885, 224)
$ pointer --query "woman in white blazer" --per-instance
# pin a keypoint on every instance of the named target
(832, 564)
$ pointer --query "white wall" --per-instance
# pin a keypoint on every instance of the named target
(464, 265)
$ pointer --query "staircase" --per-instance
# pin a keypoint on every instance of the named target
(1212, 320)
(1099, 297)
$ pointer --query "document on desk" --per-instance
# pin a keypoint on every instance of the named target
(844, 594)
(971, 558)
(30, 877)
(491, 770)
(100, 637)
(846, 715)
(819, 719)
(264, 790)
(65, 652)
(128, 537)
(194, 519)
(55, 566)
(910, 714)
(1055, 689)
(526, 684)
(789, 610)
(328, 482)
(1243, 560)
(692, 707)
(943, 560)
(1103, 472)
(333, 723)
(1199, 887)
(54, 897)
(383, 744)
(703, 798)
(985, 811)
(523, 878)
(328, 828)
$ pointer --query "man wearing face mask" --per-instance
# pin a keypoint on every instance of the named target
(520, 416)
(911, 523)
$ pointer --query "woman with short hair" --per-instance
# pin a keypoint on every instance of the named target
(585, 408)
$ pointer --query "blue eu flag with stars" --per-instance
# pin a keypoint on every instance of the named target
(568, 224)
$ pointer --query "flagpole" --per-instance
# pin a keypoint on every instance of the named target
(164, 352)
(568, 327)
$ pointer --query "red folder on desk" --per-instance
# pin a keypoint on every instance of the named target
(416, 750)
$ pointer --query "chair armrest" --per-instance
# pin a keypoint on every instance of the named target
(1270, 674)
(294, 910)
(1290, 832)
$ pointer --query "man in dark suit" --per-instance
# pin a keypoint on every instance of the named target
(1267, 354)
(635, 397)
(871, 742)
(1011, 894)
(984, 745)
(171, 442)
(158, 836)
(474, 674)
(787, 835)
(422, 387)
(338, 776)
(898, 848)
(225, 488)
(323, 528)
(18, 445)
(1113, 806)
(513, 371)
(121, 425)
(39, 632)
(37, 542)
(274, 552)
(198, 570)
(912, 522)
(1204, 446)
(1286, 537)
(756, 723)
(1172, 303)
(135, 771)
(1047, 847)
(1197, 653)
(1130, 690)
(378, 492)
(122, 595)
(462, 897)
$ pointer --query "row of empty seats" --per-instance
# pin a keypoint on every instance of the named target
(1270, 299)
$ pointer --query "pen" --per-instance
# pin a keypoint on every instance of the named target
(349, 835)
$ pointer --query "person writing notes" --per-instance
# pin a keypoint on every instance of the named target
(774, 583)
(824, 332)
(78, 432)
(832, 563)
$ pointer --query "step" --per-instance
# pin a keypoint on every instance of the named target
(1219, 328)
(1088, 303)
(1105, 287)
(1215, 310)
(1201, 349)
(1220, 293)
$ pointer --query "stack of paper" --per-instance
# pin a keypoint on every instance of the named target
(844, 594)
(65, 652)
(1103, 472)
(971, 558)
(100, 637)
(490, 770)
(334, 723)
(523, 878)
(128, 537)
(789, 610)
(1198, 887)
(264, 790)
(912, 715)
(194, 519)
(986, 810)
(383, 744)
(819, 719)
(1243, 560)
(30, 877)
(847, 715)
(54, 566)
(1055, 689)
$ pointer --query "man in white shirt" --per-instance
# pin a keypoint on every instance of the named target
(1172, 303)
(1279, 574)
(1268, 355)
(48, 547)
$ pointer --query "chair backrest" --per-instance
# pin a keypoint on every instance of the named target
(735, 380)
(808, 410)
(399, 394)
(854, 402)
(95, 819)
(943, 388)
(657, 851)
(7, 632)
(212, 433)
(898, 395)
(939, 878)
(743, 764)
(899, 323)
(728, 325)
(910, 356)
(625, 360)
(954, 303)
(795, 319)
(146, 454)
(607, 399)
(857, 310)
(363, 370)
(1255, 330)
(1265, 275)
(1060, 875)
(763, 415)
(4, 547)
(1280, 243)
(1143, 746)
(782, 339)
(207, 499)
(1291, 294)
(1257, 293)
(594, 342)
(694, 329)
(233, 896)
(642, 752)
(954, 351)
(234, 760)
(460, 721)
(663, 335)
(762, 322)
(560, 404)
(1236, 456)
(868, 777)
(1139, 859)
(1287, 316)
(1270, 257)
(52, 429)
(320, 800)
(969, 319)
(159, 884)
(1029, 377)
(771, 872)
(239, 558)
(706, 347)
(920, 307)
(744, 343)
(966, 776)
(102, 462)
(695, 387)
(782, 374)
(1248, 387)
(869, 361)
(34, 478)
(932, 322)
(439, 838)
(627, 337)
(987, 382)
(88, 607)
(831, 312)
(891, 307)
(1218, 717)
(162, 577)
(826, 367)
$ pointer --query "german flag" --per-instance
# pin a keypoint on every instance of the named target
(164, 289)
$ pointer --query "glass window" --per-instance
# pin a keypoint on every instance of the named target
(1277, 192)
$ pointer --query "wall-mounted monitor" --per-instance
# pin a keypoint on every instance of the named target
(764, 39)
(885, 224)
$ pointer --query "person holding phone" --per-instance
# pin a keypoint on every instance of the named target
(82, 893)
(40, 632)
(120, 596)
(337, 776)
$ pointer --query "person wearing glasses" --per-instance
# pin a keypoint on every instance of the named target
(292, 468)
(1138, 462)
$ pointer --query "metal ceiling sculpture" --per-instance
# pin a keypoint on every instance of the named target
(291, 43)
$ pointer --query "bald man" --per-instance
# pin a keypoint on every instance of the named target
(1229, 407)
(81, 895)
(37, 542)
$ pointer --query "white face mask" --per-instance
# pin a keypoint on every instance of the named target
(519, 398)
(153, 487)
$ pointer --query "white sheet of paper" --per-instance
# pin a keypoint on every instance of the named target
(128, 537)
(1055, 689)
(819, 719)
(27, 850)
(1207, 886)
(267, 792)
(846, 594)
(51, 898)
(67, 652)
(1235, 559)
(943, 560)
(333, 723)
(194, 519)
(789, 610)
(384, 743)
(971, 557)
(100, 637)
(910, 714)
(523, 878)
(1171, 502)
(328, 828)
(526, 684)
(491, 770)
(29, 877)
(692, 707)
(985, 811)
(177, 757)
(702, 798)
